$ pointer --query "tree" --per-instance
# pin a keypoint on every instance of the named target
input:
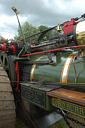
(28, 30)
(42, 28)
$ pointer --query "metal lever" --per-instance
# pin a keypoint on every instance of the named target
(15, 10)
(24, 46)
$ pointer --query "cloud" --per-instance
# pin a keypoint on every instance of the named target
(9, 24)
(7, 35)
(38, 12)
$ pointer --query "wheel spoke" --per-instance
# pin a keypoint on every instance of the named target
(4, 61)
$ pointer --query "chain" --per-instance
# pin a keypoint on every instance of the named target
(64, 116)
(67, 117)
(76, 121)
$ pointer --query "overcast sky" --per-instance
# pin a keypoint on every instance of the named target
(37, 12)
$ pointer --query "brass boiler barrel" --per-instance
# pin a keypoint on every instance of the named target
(67, 67)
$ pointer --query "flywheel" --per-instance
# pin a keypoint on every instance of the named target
(7, 105)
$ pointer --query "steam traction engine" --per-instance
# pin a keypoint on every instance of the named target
(47, 79)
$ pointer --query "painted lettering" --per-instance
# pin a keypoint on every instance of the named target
(63, 105)
(59, 104)
(68, 107)
(76, 109)
(81, 111)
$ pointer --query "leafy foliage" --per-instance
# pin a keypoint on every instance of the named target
(42, 28)
(28, 30)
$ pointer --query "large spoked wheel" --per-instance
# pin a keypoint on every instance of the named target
(4, 61)
(9, 66)
(7, 105)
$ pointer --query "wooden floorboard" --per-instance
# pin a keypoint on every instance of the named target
(68, 95)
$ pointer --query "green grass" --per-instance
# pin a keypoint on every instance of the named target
(59, 124)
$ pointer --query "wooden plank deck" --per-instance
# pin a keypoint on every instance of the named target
(68, 95)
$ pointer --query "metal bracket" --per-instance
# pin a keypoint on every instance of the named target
(49, 57)
(48, 120)
(39, 83)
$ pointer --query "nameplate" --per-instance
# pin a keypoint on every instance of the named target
(70, 107)
(35, 96)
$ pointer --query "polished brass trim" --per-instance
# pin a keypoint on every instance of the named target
(59, 27)
(80, 33)
(15, 10)
(65, 70)
(68, 68)
(33, 68)
(32, 72)
(83, 53)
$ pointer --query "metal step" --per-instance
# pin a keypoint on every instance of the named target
(48, 120)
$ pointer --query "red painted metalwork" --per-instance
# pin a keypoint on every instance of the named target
(12, 47)
(17, 72)
(69, 26)
(58, 49)
(3, 47)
